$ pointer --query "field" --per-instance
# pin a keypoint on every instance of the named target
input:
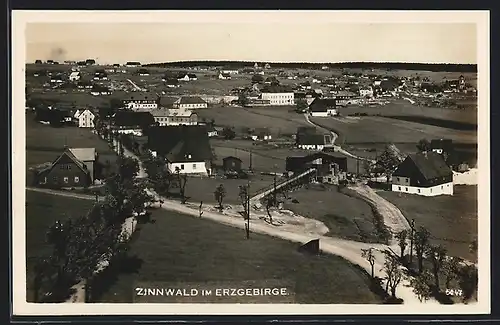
(241, 118)
(404, 108)
(452, 220)
(178, 250)
(372, 129)
(42, 210)
(202, 189)
(346, 217)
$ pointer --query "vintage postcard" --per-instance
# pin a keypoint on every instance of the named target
(250, 162)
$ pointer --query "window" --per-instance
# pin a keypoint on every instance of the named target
(431, 190)
(398, 179)
(54, 178)
(66, 179)
(441, 186)
(182, 166)
(399, 188)
(406, 188)
(418, 190)
(77, 179)
(43, 180)
(194, 166)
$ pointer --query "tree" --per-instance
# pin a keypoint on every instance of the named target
(244, 195)
(467, 281)
(257, 78)
(412, 239)
(388, 161)
(182, 180)
(402, 238)
(422, 236)
(301, 106)
(269, 202)
(424, 145)
(450, 269)
(200, 209)
(128, 167)
(437, 255)
(368, 255)
(473, 247)
(393, 273)
(228, 133)
(421, 286)
(242, 99)
(220, 194)
(367, 167)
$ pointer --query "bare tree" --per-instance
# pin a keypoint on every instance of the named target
(269, 202)
(412, 238)
(422, 236)
(245, 202)
(393, 273)
(421, 286)
(368, 255)
(402, 237)
(200, 209)
(220, 194)
(437, 255)
(182, 179)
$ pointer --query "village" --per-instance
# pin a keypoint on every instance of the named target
(377, 167)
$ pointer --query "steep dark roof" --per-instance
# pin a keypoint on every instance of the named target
(431, 165)
(133, 119)
(177, 143)
(191, 100)
(276, 89)
(231, 158)
(191, 75)
(310, 139)
(140, 96)
(322, 104)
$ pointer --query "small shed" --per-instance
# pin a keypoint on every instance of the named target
(231, 163)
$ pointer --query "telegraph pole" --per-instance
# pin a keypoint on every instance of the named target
(250, 167)
(247, 226)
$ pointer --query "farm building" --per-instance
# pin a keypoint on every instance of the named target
(190, 102)
(329, 168)
(85, 118)
(143, 72)
(84, 84)
(98, 90)
(323, 107)
(133, 64)
(231, 164)
(366, 92)
(130, 122)
(424, 174)
(171, 83)
(230, 71)
(261, 134)
(345, 97)
(212, 131)
(183, 76)
(312, 141)
(185, 148)
(137, 101)
(56, 79)
(73, 168)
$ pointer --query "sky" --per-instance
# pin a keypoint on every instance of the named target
(264, 42)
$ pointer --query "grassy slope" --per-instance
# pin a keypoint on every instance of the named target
(345, 216)
(183, 249)
(42, 210)
(452, 220)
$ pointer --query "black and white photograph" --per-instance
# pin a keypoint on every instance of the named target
(250, 162)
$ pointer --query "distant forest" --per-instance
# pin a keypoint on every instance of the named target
(436, 67)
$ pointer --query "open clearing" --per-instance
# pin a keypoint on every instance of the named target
(181, 249)
(452, 220)
(42, 210)
(346, 217)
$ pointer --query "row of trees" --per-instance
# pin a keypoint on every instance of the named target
(432, 265)
(81, 244)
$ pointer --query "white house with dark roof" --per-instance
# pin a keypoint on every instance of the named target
(224, 76)
(74, 76)
(190, 102)
(323, 107)
(140, 101)
(85, 118)
(278, 96)
(425, 174)
(174, 116)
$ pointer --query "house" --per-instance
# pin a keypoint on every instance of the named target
(183, 76)
(231, 163)
(190, 102)
(277, 95)
(84, 84)
(212, 131)
(133, 64)
(185, 148)
(172, 83)
(230, 71)
(174, 116)
(139, 100)
(272, 80)
(267, 66)
(56, 79)
(90, 62)
(224, 76)
(131, 122)
(424, 174)
(98, 90)
(442, 146)
(323, 107)
(73, 168)
(100, 75)
(305, 85)
(344, 98)
(143, 72)
(85, 118)
(261, 134)
(329, 168)
(366, 92)
(309, 139)
(74, 76)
